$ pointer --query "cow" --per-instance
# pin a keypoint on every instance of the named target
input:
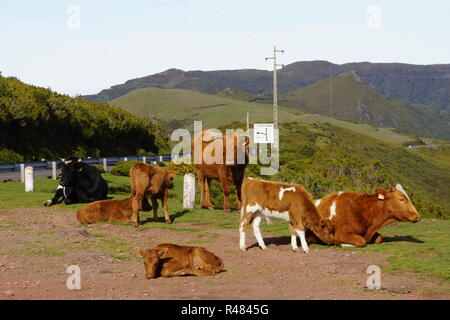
(290, 202)
(150, 182)
(357, 217)
(223, 171)
(170, 260)
(109, 211)
(79, 183)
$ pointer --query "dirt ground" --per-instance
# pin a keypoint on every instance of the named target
(38, 244)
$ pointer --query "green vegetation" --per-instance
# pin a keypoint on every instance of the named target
(122, 168)
(180, 107)
(38, 123)
(354, 100)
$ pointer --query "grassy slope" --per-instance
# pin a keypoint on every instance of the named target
(356, 101)
(185, 104)
(425, 248)
(179, 104)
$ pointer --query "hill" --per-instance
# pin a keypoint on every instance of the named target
(37, 123)
(354, 100)
(179, 106)
(420, 84)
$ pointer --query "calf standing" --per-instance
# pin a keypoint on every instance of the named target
(151, 182)
(170, 260)
(109, 211)
(290, 202)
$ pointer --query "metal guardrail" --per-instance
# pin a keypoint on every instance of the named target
(47, 165)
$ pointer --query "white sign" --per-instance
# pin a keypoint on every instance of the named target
(263, 133)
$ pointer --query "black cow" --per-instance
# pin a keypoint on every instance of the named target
(79, 183)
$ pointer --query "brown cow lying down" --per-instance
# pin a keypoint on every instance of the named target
(150, 182)
(170, 260)
(357, 217)
(109, 211)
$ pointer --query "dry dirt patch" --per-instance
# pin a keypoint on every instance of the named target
(38, 244)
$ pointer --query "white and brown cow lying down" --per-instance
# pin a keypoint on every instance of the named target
(357, 217)
(170, 260)
(290, 202)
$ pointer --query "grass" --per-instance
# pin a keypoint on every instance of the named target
(423, 247)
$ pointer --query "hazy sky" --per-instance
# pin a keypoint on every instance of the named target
(42, 42)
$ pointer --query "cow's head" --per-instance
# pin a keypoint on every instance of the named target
(70, 171)
(327, 231)
(152, 258)
(398, 204)
(170, 175)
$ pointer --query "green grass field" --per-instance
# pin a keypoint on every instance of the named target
(423, 247)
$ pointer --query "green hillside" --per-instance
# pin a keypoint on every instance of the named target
(37, 123)
(354, 100)
(178, 104)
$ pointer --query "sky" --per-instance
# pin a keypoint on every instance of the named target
(81, 47)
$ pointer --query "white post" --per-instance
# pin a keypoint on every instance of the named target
(144, 159)
(160, 158)
(29, 179)
(125, 159)
(105, 164)
(53, 170)
(189, 191)
(22, 172)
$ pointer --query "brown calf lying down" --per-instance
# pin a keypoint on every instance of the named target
(109, 211)
(150, 182)
(290, 202)
(170, 260)
(357, 217)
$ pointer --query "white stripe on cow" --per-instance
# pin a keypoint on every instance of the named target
(283, 190)
(399, 187)
(332, 210)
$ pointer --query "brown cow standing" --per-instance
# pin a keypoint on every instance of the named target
(290, 202)
(357, 217)
(109, 211)
(233, 170)
(151, 182)
(170, 260)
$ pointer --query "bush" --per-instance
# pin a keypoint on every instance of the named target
(180, 167)
(7, 155)
(122, 168)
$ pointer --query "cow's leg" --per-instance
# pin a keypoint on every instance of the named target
(58, 195)
(293, 239)
(155, 208)
(136, 203)
(223, 176)
(237, 180)
(208, 193)
(352, 239)
(165, 204)
(299, 229)
(245, 218)
(257, 232)
(376, 238)
(201, 183)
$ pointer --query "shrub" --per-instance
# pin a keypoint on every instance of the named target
(122, 168)
(180, 166)
(7, 155)
(99, 167)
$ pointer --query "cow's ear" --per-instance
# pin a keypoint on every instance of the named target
(381, 193)
(162, 252)
(139, 252)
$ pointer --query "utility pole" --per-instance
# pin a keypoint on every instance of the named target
(248, 122)
(275, 88)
